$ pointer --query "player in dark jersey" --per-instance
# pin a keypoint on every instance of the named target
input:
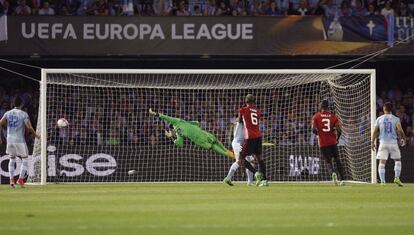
(326, 125)
(250, 116)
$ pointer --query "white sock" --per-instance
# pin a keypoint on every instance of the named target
(11, 168)
(232, 170)
(381, 171)
(23, 168)
(397, 169)
(250, 176)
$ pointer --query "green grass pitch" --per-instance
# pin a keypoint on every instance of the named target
(304, 209)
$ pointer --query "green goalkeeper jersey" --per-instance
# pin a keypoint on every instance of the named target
(192, 131)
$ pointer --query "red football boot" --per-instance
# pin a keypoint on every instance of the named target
(21, 182)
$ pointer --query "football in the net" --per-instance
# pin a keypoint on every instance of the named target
(62, 123)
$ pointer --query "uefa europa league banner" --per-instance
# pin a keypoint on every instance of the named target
(201, 36)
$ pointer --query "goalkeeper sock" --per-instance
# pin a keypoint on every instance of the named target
(11, 168)
(23, 168)
(262, 168)
(249, 166)
(397, 169)
(232, 170)
(381, 172)
(250, 176)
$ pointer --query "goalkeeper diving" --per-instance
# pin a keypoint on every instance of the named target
(191, 130)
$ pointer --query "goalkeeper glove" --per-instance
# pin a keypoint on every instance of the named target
(153, 113)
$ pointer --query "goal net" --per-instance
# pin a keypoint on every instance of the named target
(111, 131)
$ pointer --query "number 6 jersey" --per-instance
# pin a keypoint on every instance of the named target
(251, 115)
(326, 123)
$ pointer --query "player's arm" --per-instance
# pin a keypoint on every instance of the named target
(374, 137)
(195, 123)
(314, 126)
(164, 117)
(239, 117)
(3, 122)
(30, 128)
(338, 129)
(401, 133)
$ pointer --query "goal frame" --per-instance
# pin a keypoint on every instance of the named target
(45, 71)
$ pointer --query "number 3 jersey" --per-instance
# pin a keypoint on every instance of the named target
(387, 125)
(251, 115)
(326, 123)
(16, 120)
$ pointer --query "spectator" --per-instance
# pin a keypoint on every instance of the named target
(86, 7)
(197, 11)
(272, 10)
(71, 6)
(161, 7)
(35, 5)
(381, 3)
(329, 9)
(359, 9)
(303, 9)
(181, 10)
(223, 10)
(145, 8)
(345, 9)
(403, 10)
(237, 8)
(5, 8)
(387, 10)
(46, 10)
(371, 12)
(23, 9)
(100, 8)
(314, 7)
(211, 8)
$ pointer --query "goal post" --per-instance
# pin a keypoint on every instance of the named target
(110, 131)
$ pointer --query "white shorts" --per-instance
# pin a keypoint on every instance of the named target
(237, 148)
(384, 150)
(17, 150)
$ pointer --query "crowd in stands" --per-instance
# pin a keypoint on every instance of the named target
(120, 117)
(30, 98)
(329, 8)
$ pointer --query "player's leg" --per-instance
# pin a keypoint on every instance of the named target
(12, 162)
(236, 149)
(11, 151)
(23, 153)
(396, 155)
(328, 162)
(262, 165)
(381, 170)
(250, 175)
(338, 169)
(382, 156)
(230, 174)
(247, 151)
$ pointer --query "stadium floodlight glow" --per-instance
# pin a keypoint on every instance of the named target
(111, 132)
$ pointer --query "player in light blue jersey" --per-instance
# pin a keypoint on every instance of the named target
(388, 129)
(237, 143)
(17, 121)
